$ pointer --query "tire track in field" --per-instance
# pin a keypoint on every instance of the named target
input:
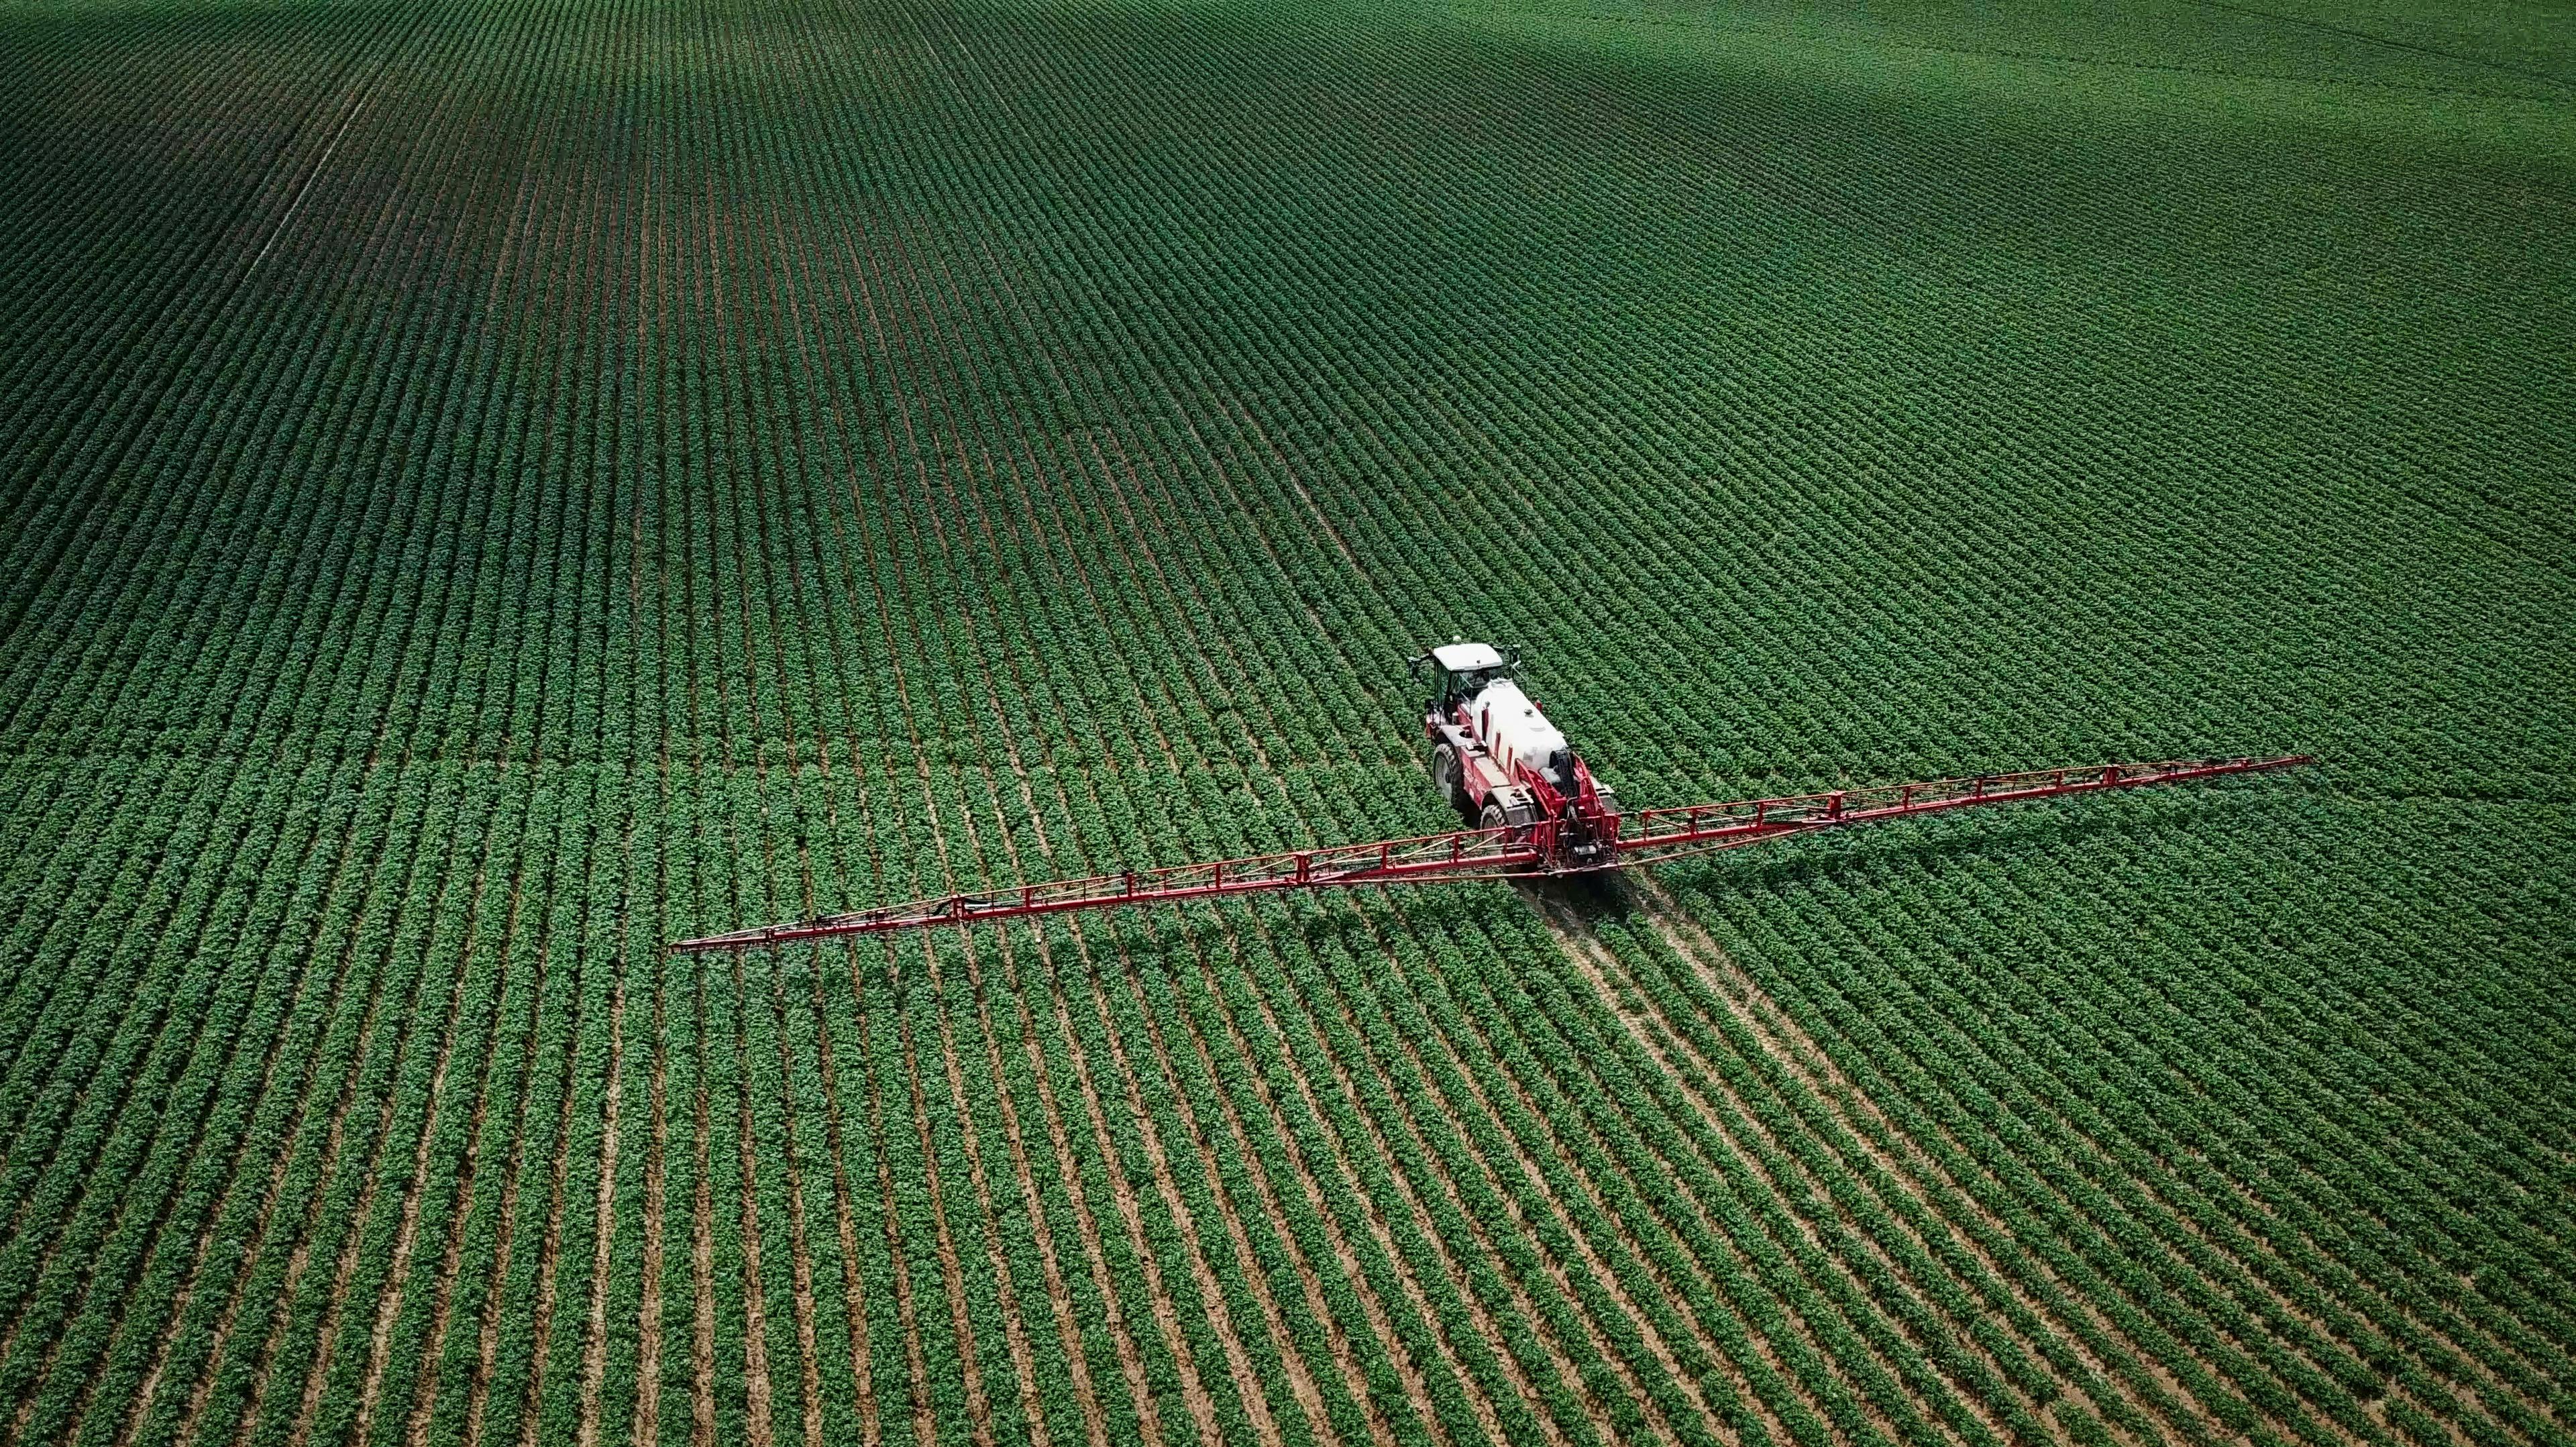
(1788, 1044)
(802, 1264)
(2196, 1359)
(862, 1363)
(1531, 1172)
(762, 1428)
(1529, 1168)
(648, 1310)
(702, 1267)
(1602, 1272)
(1472, 431)
(1446, 1108)
(1706, 1345)
(594, 1357)
(1279, 460)
(1653, 1034)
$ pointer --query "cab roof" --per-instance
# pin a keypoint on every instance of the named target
(1467, 657)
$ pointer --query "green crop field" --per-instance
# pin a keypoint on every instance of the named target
(491, 487)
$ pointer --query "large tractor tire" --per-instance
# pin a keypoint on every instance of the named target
(1448, 778)
(1492, 818)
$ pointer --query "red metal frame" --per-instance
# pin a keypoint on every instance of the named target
(1645, 836)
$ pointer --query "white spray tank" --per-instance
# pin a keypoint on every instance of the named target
(1515, 732)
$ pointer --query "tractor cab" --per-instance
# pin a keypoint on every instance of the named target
(1461, 670)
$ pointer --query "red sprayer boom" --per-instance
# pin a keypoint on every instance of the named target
(1504, 852)
(1538, 809)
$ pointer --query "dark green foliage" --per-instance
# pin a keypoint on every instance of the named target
(490, 489)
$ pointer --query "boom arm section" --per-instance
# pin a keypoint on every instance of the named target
(1468, 854)
(1645, 837)
(1650, 835)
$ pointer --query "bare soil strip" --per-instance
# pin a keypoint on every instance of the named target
(863, 298)
(304, 1081)
(979, 1409)
(1530, 1173)
(808, 1354)
(1250, 1390)
(648, 1316)
(702, 1250)
(594, 1352)
(854, 1297)
(924, 1429)
(334, 1136)
(1417, 1390)
(1194, 1397)
(755, 1303)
